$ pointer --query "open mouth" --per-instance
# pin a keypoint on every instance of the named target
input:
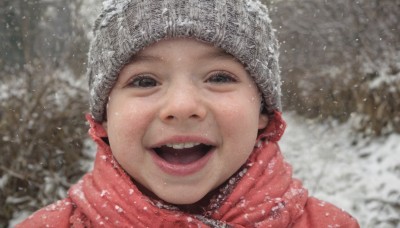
(183, 153)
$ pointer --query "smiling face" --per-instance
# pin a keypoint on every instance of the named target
(182, 118)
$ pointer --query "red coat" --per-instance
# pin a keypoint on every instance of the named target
(262, 194)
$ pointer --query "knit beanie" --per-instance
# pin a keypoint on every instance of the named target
(242, 28)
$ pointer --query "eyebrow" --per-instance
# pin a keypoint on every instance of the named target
(143, 58)
(220, 54)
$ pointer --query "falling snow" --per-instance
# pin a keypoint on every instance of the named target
(119, 209)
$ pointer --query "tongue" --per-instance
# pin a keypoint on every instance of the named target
(181, 156)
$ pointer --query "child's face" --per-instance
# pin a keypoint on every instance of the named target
(182, 118)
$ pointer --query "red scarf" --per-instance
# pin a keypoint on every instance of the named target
(261, 194)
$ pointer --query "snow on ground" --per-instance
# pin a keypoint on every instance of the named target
(360, 175)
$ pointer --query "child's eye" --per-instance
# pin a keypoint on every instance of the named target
(143, 81)
(221, 77)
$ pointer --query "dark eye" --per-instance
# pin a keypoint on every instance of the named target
(221, 77)
(143, 82)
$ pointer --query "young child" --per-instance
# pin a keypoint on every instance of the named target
(185, 110)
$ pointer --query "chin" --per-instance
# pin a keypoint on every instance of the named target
(180, 199)
(190, 200)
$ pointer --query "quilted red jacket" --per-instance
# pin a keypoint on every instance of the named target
(262, 194)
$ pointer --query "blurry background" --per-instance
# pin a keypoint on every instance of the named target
(340, 62)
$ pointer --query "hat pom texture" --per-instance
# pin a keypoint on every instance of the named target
(240, 27)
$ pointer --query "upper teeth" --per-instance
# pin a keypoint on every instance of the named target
(182, 145)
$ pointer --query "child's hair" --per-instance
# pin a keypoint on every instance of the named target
(240, 27)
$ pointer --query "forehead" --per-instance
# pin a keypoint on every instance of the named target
(184, 47)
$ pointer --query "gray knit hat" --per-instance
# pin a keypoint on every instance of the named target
(241, 27)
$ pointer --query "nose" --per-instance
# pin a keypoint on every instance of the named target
(183, 102)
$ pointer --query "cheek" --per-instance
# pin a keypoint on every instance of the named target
(126, 121)
(239, 124)
(239, 127)
(242, 113)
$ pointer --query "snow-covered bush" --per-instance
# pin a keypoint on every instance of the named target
(43, 96)
(340, 59)
(42, 138)
(378, 97)
(370, 95)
